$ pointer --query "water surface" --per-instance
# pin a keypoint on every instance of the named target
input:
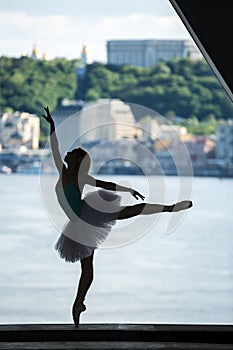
(184, 277)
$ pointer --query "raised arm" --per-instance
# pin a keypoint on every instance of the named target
(53, 140)
(112, 186)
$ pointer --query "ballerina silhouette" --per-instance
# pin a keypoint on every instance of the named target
(92, 217)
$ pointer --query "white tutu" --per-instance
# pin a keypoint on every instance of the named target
(79, 239)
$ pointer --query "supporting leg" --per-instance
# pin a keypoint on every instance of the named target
(85, 281)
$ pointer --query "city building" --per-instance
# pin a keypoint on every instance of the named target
(19, 129)
(200, 149)
(147, 53)
(65, 109)
(224, 142)
(150, 128)
(106, 119)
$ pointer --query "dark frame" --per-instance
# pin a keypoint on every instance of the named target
(210, 25)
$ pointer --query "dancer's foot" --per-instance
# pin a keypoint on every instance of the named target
(182, 206)
(76, 311)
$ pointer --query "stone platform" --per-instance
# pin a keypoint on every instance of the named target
(116, 336)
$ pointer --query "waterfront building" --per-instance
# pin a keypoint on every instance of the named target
(147, 53)
(19, 129)
(169, 136)
(106, 119)
(224, 142)
(174, 141)
(113, 154)
(200, 148)
(150, 128)
(65, 109)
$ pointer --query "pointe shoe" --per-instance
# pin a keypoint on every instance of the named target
(182, 206)
(76, 311)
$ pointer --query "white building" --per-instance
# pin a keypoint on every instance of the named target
(19, 129)
(147, 53)
(150, 128)
(106, 120)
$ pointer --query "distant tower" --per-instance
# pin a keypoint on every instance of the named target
(35, 52)
(81, 71)
(45, 56)
(84, 54)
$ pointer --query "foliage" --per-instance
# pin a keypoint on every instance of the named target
(27, 85)
(184, 87)
(204, 127)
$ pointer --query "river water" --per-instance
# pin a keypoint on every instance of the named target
(182, 277)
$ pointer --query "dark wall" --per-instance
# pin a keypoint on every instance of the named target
(210, 24)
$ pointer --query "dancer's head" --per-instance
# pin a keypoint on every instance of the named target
(79, 160)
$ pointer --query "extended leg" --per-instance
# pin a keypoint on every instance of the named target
(85, 281)
(148, 209)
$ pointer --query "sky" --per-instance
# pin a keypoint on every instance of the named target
(59, 28)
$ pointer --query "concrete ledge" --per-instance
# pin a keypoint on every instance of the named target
(112, 346)
(116, 336)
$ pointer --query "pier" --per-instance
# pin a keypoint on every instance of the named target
(116, 336)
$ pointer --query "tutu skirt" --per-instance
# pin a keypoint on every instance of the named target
(79, 239)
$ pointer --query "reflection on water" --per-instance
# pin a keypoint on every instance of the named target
(184, 277)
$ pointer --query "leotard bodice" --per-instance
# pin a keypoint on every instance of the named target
(70, 200)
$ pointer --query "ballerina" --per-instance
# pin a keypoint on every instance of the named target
(90, 218)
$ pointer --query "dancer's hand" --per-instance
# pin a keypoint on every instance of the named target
(136, 194)
(48, 116)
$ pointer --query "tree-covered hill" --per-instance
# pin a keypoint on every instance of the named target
(27, 85)
(178, 87)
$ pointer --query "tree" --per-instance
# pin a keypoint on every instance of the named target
(183, 86)
(27, 84)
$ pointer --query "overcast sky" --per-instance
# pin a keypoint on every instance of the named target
(60, 27)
